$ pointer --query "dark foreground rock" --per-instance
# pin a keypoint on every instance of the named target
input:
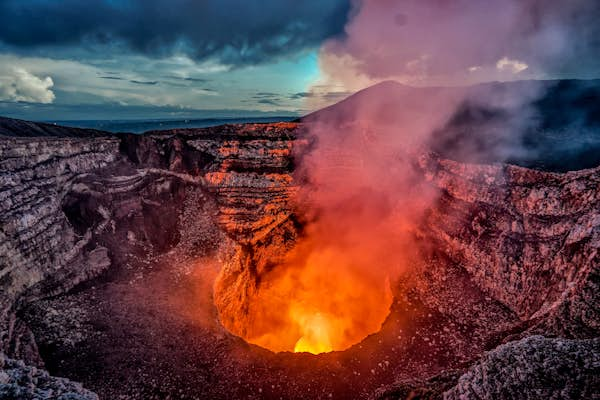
(22, 382)
(534, 368)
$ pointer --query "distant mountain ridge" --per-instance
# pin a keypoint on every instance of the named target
(13, 127)
(561, 134)
(557, 128)
(10, 127)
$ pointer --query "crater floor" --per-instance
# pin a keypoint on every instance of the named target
(147, 329)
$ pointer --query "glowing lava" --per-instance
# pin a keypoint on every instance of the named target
(318, 302)
(316, 330)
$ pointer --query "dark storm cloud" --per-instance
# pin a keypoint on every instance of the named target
(271, 102)
(266, 94)
(194, 79)
(301, 95)
(143, 82)
(328, 96)
(235, 32)
(187, 79)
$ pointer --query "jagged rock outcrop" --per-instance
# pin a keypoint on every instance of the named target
(534, 368)
(21, 382)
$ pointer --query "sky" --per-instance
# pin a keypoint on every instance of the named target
(128, 59)
(141, 59)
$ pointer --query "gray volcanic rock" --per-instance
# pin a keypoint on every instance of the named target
(528, 237)
(21, 382)
(534, 368)
(38, 245)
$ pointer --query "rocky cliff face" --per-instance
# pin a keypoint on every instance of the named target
(41, 253)
(515, 252)
(527, 237)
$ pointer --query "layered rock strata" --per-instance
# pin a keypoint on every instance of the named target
(529, 238)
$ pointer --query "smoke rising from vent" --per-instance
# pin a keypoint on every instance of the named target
(460, 41)
(361, 179)
(363, 193)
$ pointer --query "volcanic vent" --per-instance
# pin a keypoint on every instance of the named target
(322, 280)
(314, 297)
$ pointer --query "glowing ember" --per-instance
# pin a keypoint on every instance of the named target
(314, 303)
(316, 331)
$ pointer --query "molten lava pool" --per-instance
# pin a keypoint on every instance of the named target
(318, 302)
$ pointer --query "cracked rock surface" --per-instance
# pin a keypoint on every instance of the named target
(22, 382)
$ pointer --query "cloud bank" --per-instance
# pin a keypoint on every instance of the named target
(232, 32)
(17, 84)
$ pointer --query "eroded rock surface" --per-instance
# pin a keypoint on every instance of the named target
(529, 238)
(534, 368)
(40, 251)
(22, 382)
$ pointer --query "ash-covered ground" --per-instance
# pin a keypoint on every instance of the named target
(148, 329)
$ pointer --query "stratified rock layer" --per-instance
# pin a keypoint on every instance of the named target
(38, 245)
(529, 238)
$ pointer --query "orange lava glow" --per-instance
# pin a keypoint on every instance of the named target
(320, 303)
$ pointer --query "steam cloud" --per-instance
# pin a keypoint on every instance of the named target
(458, 43)
(361, 176)
(440, 42)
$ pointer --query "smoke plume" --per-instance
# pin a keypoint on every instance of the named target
(441, 42)
(361, 180)
(363, 192)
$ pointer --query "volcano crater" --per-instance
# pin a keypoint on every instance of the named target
(146, 247)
